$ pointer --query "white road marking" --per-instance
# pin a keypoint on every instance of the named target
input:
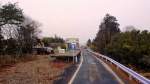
(73, 77)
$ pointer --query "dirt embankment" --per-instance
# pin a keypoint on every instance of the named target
(38, 71)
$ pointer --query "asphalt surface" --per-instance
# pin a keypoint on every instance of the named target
(93, 72)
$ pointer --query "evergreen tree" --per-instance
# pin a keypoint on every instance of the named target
(107, 29)
(89, 43)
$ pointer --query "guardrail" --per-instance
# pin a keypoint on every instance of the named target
(130, 72)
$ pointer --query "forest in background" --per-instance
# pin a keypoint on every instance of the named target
(131, 47)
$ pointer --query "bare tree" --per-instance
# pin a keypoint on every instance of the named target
(11, 17)
(28, 33)
(18, 30)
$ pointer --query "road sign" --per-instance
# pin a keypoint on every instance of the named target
(73, 46)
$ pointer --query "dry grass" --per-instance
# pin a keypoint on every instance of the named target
(146, 75)
(12, 59)
(39, 71)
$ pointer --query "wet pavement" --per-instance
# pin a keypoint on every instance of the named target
(66, 75)
(93, 72)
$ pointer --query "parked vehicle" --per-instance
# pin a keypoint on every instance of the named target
(43, 50)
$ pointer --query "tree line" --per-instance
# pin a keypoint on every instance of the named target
(18, 32)
(131, 47)
(54, 42)
(48, 40)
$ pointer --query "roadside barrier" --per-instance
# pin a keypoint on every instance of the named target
(130, 72)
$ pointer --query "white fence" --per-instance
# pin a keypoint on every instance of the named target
(132, 73)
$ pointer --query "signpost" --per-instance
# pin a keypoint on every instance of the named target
(73, 47)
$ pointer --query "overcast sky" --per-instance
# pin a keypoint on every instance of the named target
(81, 18)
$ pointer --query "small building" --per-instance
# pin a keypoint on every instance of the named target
(72, 43)
(72, 53)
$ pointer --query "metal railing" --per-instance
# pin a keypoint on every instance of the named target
(130, 72)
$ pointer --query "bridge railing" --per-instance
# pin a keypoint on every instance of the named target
(127, 70)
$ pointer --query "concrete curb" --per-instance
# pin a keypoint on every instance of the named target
(76, 72)
(110, 70)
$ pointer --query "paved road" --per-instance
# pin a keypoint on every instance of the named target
(93, 72)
